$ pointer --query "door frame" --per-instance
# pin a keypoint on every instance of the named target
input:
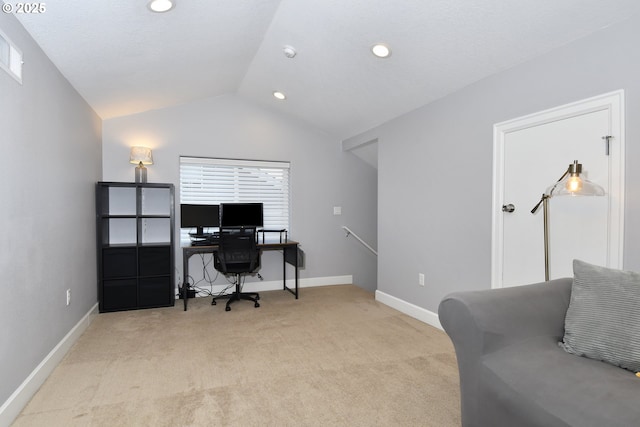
(613, 102)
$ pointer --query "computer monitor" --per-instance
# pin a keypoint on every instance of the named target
(241, 215)
(199, 217)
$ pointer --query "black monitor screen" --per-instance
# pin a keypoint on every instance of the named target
(241, 215)
(199, 216)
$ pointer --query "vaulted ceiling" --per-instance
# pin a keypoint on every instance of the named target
(123, 58)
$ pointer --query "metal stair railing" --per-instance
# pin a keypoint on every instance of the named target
(351, 233)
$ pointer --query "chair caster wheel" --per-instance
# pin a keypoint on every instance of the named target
(227, 309)
(213, 302)
(256, 305)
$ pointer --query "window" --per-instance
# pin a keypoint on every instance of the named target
(215, 181)
(10, 58)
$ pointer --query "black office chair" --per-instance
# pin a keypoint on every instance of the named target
(237, 254)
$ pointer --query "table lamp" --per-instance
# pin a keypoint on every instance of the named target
(141, 156)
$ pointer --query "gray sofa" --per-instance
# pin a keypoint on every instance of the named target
(514, 374)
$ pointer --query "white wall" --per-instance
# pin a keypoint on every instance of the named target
(435, 164)
(49, 161)
(322, 175)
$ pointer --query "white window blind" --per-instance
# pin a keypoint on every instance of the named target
(216, 181)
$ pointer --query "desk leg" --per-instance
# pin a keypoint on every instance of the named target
(185, 279)
(284, 269)
(290, 254)
(296, 273)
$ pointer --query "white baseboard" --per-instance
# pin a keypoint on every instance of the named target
(409, 309)
(10, 409)
(276, 285)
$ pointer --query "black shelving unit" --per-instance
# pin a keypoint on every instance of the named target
(135, 229)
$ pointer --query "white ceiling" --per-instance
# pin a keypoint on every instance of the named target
(124, 59)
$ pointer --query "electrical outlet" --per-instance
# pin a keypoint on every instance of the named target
(68, 296)
(337, 210)
(421, 279)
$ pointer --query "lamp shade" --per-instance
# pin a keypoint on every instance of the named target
(572, 184)
(141, 155)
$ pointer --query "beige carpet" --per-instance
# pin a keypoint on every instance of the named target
(335, 357)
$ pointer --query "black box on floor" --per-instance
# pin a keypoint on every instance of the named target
(191, 293)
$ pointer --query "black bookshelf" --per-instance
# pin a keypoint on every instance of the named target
(135, 232)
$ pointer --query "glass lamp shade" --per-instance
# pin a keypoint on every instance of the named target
(572, 184)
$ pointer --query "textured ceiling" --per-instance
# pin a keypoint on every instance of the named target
(124, 59)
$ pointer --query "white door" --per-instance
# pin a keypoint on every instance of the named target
(531, 153)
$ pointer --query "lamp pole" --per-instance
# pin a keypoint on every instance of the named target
(573, 185)
(544, 200)
(545, 214)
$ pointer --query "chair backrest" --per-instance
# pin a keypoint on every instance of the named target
(237, 251)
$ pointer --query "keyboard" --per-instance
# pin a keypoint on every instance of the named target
(211, 240)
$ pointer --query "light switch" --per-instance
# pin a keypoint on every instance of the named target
(337, 210)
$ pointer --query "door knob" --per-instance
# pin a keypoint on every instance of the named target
(508, 208)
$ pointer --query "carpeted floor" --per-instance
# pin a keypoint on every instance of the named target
(335, 357)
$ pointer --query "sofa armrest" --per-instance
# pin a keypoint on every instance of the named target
(494, 318)
(481, 322)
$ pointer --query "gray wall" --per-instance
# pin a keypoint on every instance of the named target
(322, 175)
(435, 164)
(50, 152)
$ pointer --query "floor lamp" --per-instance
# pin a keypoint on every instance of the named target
(569, 184)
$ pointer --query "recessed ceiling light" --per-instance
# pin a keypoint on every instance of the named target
(289, 51)
(381, 50)
(279, 95)
(160, 5)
